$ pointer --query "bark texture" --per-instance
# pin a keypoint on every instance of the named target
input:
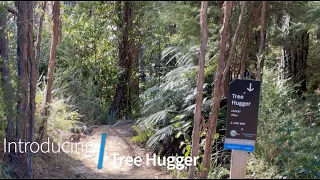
(200, 82)
(33, 86)
(217, 92)
(121, 105)
(260, 62)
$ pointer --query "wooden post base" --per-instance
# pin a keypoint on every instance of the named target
(238, 164)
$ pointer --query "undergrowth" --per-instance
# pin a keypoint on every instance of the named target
(288, 132)
(4, 171)
(4, 168)
(288, 143)
(143, 134)
(61, 117)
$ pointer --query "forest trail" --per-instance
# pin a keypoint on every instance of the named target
(82, 165)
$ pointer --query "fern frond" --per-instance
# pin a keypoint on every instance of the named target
(156, 118)
(160, 135)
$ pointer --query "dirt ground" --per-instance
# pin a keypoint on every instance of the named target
(84, 165)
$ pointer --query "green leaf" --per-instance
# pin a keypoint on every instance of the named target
(186, 154)
(179, 134)
(186, 137)
(188, 147)
(217, 135)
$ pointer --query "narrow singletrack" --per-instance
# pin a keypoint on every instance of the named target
(85, 165)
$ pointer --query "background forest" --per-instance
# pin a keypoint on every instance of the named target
(166, 65)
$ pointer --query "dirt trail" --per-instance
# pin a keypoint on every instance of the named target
(82, 165)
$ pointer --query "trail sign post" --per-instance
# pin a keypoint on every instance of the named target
(242, 123)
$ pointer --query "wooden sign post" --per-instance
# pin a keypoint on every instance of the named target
(242, 123)
(238, 164)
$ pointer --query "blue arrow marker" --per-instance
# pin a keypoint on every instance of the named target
(103, 141)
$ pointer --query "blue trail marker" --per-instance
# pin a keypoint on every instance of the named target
(103, 141)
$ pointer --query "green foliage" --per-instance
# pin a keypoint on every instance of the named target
(61, 117)
(169, 107)
(313, 76)
(164, 104)
(2, 115)
(4, 171)
(287, 138)
(219, 172)
(142, 135)
(89, 76)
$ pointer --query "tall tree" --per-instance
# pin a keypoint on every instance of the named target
(38, 43)
(262, 41)
(135, 36)
(33, 84)
(294, 56)
(23, 75)
(244, 54)
(221, 76)
(217, 92)
(121, 103)
(18, 161)
(197, 116)
(233, 48)
(54, 42)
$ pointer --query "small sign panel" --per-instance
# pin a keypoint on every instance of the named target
(242, 120)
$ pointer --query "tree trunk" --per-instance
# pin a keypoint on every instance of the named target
(5, 75)
(116, 104)
(54, 41)
(142, 64)
(217, 92)
(294, 58)
(226, 81)
(134, 58)
(226, 72)
(121, 104)
(244, 56)
(318, 33)
(60, 36)
(260, 62)
(134, 85)
(197, 116)
(37, 53)
(22, 58)
(18, 161)
(55, 29)
(33, 86)
(283, 59)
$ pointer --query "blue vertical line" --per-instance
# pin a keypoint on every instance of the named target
(103, 141)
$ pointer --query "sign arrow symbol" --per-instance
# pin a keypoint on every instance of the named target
(250, 89)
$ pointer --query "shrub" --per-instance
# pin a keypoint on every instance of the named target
(143, 134)
(287, 139)
(61, 116)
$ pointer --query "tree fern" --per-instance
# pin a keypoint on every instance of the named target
(173, 100)
(160, 135)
